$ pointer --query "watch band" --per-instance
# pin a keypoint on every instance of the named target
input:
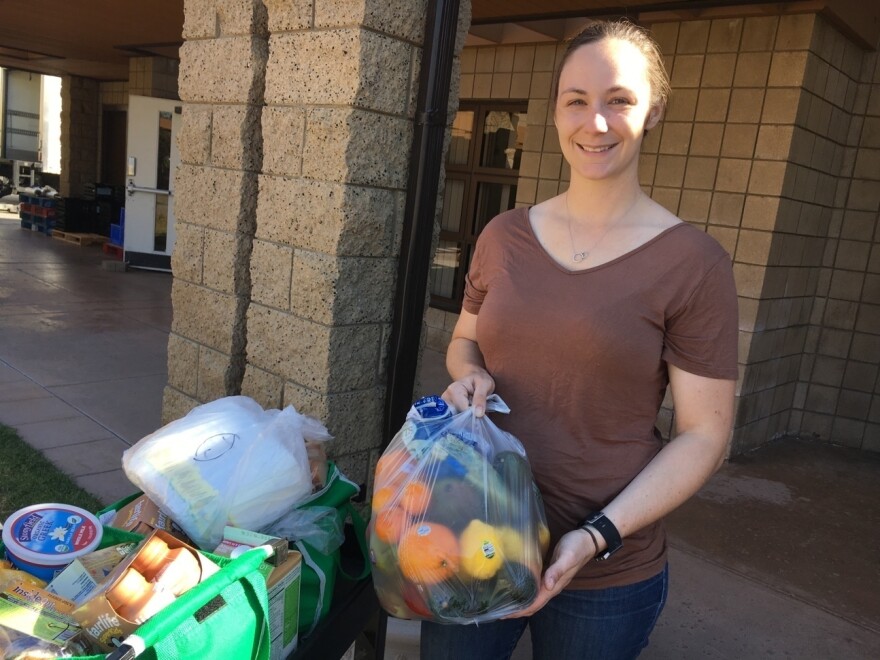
(609, 532)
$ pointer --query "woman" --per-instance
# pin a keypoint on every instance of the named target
(579, 312)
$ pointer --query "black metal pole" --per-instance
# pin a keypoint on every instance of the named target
(425, 166)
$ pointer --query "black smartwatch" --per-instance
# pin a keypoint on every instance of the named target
(609, 532)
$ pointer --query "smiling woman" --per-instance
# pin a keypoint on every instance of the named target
(580, 312)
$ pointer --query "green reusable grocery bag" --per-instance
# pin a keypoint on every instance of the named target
(226, 616)
(319, 570)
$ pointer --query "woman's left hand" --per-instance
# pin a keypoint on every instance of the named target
(573, 551)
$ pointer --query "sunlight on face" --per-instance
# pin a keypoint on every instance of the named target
(603, 108)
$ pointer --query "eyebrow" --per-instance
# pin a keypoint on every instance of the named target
(610, 90)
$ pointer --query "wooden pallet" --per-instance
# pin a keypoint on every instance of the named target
(78, 239)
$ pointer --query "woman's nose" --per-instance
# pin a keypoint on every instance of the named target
(596, 121)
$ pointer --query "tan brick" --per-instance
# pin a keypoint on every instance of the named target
(353, 418)
(700, 173)
(787, 69)
(288, 346)
(214, 368)
(329, 217)
(749, 279)
(687, 71)
(223, 261)
(283, 134)
(263, 387)
(781, 106)
(864, 196)
(670, 171)
(718, 70)
(774, 142)
(342, 290)
(541, 83)
(466, 86)
(216, 198)
(682, 105)
(204, 316)
(287, 15)
(236, 140)
(175, 404)
(520, 83)
(194, 136)
(753, 247)
(759, 33)
(345, 66)
(706, 139)
(546, 189)
(399, 18)
(647, 167)
(271, 271)
(760, 212)
(725, 236)
(228, 70)
(767, 177)
(183, 364)
(545, 57)
(530, 164)
(712, 105)
(733, 175)
(526, 191)
(795, 31)
(727, 209)
(356, 146)
(739, 140)
(666, 36)
(724, 35)
(693, 37)
(745, 106)
(752, 69)
(485, 60)
(188, 253)
(482, 88)
(867, 164)
(551, 166)
(668, 198)
(524, 58)
(694, 205)
(675, 138)
(500, 86)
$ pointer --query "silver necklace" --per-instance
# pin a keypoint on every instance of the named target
(579, 256)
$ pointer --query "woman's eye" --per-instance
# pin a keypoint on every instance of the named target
(577, 102)
(620, 101)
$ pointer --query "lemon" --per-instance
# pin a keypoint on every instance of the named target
(512, 544)
(482, 550)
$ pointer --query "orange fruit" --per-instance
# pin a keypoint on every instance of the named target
(415, 498)
(428, 553)
(389, 524)
(382, 497)
(392, 466)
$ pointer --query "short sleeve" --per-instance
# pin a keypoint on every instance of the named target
(475, 285)
(702, 336)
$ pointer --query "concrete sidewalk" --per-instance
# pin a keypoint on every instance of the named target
(778, 556)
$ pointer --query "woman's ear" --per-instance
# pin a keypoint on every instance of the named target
(654, 116)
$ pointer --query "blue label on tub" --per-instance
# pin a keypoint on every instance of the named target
(53, 531)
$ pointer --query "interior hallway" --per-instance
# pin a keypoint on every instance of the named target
(776, 557)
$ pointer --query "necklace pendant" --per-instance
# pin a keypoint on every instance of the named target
(580, 256)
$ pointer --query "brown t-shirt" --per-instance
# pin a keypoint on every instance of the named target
(580, 357)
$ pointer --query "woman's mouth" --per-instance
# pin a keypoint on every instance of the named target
(596, 150)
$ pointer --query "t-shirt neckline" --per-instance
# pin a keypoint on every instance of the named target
(622, 257)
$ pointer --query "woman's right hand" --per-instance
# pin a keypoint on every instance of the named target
(470, 390)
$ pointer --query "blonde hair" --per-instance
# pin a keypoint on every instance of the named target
(633, 34)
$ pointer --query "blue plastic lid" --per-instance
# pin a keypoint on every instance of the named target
(431, 407)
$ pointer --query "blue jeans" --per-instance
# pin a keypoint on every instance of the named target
(591, 624)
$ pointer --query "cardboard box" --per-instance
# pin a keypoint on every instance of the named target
(103, 627)
(143, 516)
(282, 582)
(29, 618)
(83, 575)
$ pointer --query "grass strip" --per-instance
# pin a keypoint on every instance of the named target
(27, 477)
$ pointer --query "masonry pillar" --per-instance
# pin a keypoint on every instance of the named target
(80, 114)
(222, 75)
(341, 86)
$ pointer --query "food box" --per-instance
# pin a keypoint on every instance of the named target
(103, 627)
(283, 582)
(142, 516)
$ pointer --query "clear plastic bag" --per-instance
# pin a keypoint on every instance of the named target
(228, 462)
(458, 530)
(319, 526)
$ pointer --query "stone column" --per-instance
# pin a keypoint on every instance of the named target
(222, 76)
(80, 115)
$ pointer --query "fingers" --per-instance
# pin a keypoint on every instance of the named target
(470, 391)
(457, 395)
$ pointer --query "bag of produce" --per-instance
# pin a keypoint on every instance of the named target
(227, 462)
(458, 531)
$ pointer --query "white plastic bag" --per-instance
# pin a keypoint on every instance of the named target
(228, 462)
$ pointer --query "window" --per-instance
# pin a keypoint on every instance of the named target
(481, 176)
